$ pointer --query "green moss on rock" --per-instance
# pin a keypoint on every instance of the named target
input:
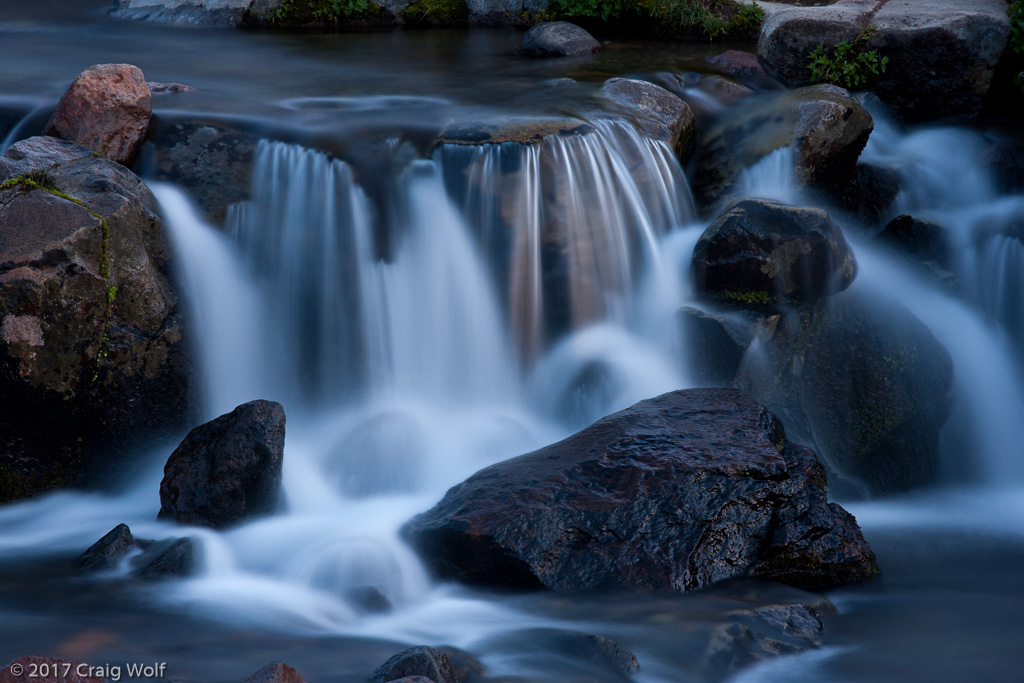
(436, 13)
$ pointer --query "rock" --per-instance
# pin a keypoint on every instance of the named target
(942, 53)
(413, 679)
(761, 253)
(672, 494)
(108, 551)
(658, 114)
(221, 13)
(212, 164)
(871, 192)
(824, 125)
(744, 67)
(557, 39)
(228, 470)
(173, 557)
(92, 362)
(162, 88)
(419, 661)
(521, 129)
(715, 345)
(107, 109)
(368, 599)
(923, 240)
(866, 382)
(48, 670)
(467, 668)
(276, 672)
(754, 635)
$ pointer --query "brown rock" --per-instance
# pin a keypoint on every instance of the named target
(658, 114)
(107, 109)
(47, 670)
(276, 672)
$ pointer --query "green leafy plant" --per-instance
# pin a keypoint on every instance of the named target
(848, 64)
(599, 9)
(710, 18)
(324, 11)
(1016, 15)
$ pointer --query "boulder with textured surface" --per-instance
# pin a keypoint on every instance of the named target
(107, 109)
(672, 494)
(942, 53)
(91, 350)
(557, 39)
(824, 125)
(657, 113)
(762, 254)
(228, 470)
(109, 550)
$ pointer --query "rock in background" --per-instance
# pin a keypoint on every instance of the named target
(92, 361)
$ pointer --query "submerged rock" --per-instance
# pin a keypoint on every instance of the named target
(749, 636)
(760, 253)
(107, 109)
(657, 113)
(824, 125)
(715, 345)
(91, 352)
(174, 557)
(228, 470)
(942, 53)
(557, 39)
(416, 662)
(276, 672)
(672, 494)
(467, 668)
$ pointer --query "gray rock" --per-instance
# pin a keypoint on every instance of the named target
(658, 114)
(217, 13)
(942, 53)
(108, 551)
(416, 662)
(557, 39)
(715, 346)
(749, 636)
(824, 125)
(166, 559)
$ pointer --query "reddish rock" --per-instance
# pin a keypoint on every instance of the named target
(107, 109)
(276, 672)
(738, 64)
(47, 670)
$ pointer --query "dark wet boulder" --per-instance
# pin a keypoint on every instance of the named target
(942, 53)
(763, 254)
(276, 672)
(92, 362)
(870, 192)
(222, 13)
(920, 239)
(824, 125)
(368, 599)
(419, 661)
(109, 550)
(211, 163)
(557, 39)
(863, 380)
(50, 670)
(656, 112)
(173, 557)
(228, 470)
(107, 109)
(672, 494)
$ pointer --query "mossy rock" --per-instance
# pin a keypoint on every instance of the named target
(436, 13)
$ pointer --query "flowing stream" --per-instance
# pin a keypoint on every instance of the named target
(502, 297)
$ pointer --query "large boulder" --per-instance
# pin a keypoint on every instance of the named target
(228, 470)
(824, 125)
(557, 39)
(91, 352)
(672, 494)
(866, 382)
(761, 253)
(657, 113)
(942, 53)
(195, 12)
(107, 109)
